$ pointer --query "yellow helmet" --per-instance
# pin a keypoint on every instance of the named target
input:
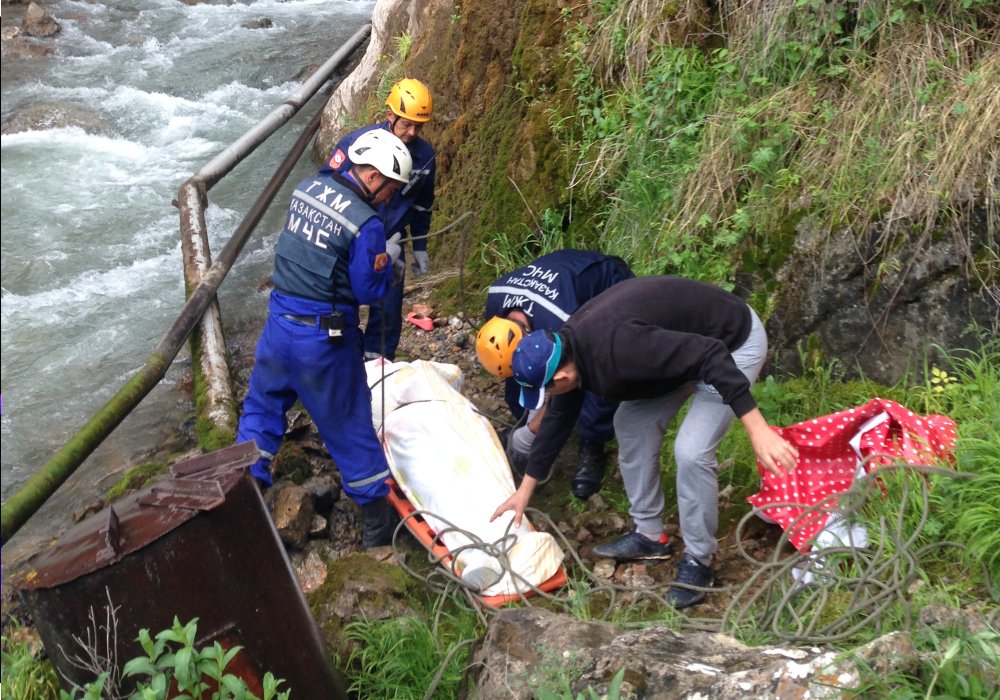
(495, 345)
(410, 99)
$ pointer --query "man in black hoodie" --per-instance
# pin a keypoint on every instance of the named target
(654, 343)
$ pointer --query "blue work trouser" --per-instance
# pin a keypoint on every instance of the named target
(298, 361)
(388, 311)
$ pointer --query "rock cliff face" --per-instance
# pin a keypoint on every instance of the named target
(500, 79)
(390, 20)
(529, 649)
(493, 69)
(882, 327)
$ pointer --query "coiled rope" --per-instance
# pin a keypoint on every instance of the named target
(852, 587)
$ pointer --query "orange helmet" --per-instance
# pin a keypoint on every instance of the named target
(410, 99)
(495, 345)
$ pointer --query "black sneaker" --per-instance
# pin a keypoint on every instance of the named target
(690, 572)
(379, 523)
(589, 469)
(634, 546)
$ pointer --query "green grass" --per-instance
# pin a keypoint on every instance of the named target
(701, 161)
(953, 663)
(25, 675)
(405, 657)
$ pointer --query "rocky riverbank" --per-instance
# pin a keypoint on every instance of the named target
(517, 654)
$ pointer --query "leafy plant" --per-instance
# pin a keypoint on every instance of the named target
(172, 663)
(614, 691)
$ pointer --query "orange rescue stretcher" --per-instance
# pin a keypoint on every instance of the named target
(420, 529)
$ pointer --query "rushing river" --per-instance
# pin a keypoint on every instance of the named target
(92, 275)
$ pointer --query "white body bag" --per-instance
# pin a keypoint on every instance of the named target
(447, 460)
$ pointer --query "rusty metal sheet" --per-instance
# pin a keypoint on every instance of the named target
(140, 518)
(184, 493)
(222, 462)
(175, 549)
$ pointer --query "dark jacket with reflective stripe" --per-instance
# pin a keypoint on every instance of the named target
(549, 289)
(409, 210)
(314, 250)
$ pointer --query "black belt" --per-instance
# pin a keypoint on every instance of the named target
(311, 321)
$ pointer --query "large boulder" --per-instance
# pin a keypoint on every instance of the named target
(528, 650)
(358, 587)
(37, 22)
(293, 515)
(48, 115)
(16, 46)
(832, 305)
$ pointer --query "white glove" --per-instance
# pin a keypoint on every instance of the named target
(421, 263)
(520, 441)
(393, 247)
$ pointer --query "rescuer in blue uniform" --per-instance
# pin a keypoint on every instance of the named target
(332, 255)
(541, 296)
(408, 108)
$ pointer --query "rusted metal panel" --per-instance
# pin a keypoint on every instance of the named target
(199, 543)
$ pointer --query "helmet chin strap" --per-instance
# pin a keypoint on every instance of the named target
(370, 194)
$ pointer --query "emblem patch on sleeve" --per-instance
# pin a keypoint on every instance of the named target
(337, 159)
(381, 261)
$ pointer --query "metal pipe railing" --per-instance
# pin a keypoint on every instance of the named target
(216, 408)
(51, 475)
(242, 147)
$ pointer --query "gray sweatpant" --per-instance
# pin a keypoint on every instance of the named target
(639, 427)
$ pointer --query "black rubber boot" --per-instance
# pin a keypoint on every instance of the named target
(589, 469)
(504, 436)
(380, 521)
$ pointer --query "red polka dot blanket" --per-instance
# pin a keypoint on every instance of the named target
(836, 449)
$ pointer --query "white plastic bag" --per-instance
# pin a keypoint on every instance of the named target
(448, 461)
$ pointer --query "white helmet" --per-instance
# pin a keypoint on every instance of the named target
(385, 152)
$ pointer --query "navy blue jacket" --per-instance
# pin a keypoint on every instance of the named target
(332, 247)
(411, 206)
(547, 291)
(552, 287)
